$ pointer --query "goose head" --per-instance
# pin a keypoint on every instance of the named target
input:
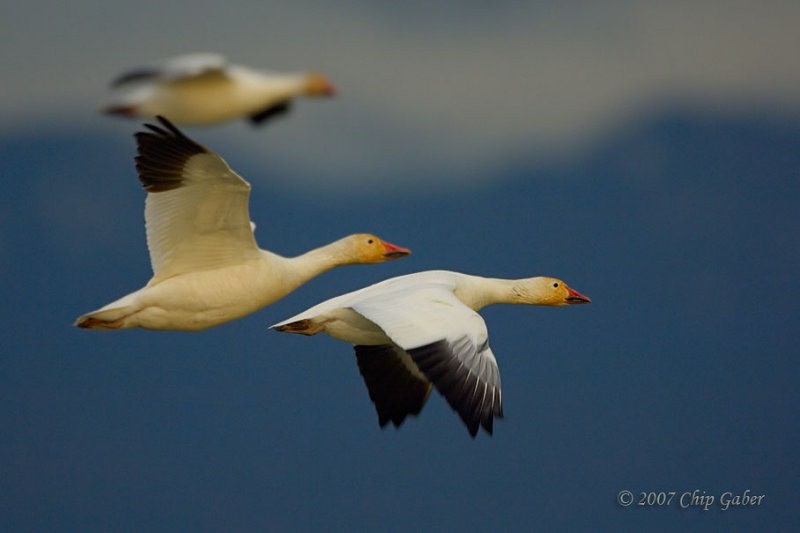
(543, 290)
(366, 248)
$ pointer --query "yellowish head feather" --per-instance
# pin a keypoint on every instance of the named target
(544, 290)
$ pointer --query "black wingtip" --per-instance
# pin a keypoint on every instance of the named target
(394, 390)
(476, 401)
(134, 76)
(162, 152)
(170, 128)
(276, 110)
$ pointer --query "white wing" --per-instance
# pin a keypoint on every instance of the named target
(447, 341)
(347, 300)
(196, 212)
(176, 69)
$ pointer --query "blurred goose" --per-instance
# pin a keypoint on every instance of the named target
(420, 329)
(207, 267)
(197, 89)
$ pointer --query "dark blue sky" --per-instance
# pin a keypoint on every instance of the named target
(682, 374)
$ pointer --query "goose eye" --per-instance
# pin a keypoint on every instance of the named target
(555, 284)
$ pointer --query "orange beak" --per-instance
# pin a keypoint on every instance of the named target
(394, 252)
(574, 297)
(327, 89)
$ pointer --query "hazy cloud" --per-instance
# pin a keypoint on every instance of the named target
(426, 91)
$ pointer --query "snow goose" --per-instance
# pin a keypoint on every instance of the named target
(420, 329)
(197, 89)
(207, 267)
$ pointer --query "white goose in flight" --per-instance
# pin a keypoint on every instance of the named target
(420, 329)
(198, 89)
(207, 267)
